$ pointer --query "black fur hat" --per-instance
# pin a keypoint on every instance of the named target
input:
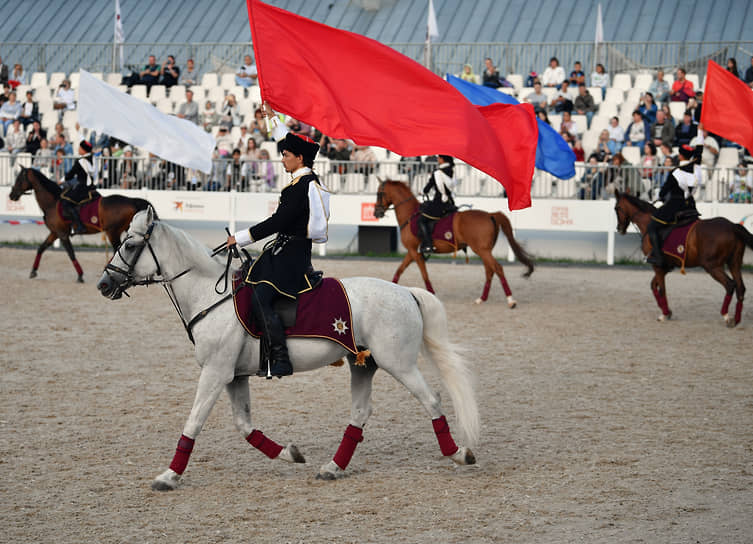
(686, 151)
(298, 144)
(86, 146)
(447, 158)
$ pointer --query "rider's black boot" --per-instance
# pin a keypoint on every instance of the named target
(425, 234)
(279, 361)
(657, 255)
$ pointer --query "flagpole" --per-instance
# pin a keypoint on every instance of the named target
(114, 47)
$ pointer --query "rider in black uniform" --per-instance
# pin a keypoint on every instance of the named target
(78, 186)
(677, 195)
(442, 182)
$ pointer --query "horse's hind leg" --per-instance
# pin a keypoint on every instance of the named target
(403, 265)
(361, 377)
(72, 256)
(41, 249)
(660, 294)
(240, 401)
(737, 275)
(729, 288)
(491, 266)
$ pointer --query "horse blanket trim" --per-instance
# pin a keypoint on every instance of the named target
(442, 229)
(88, 212)
(675, 244)
(323, 312)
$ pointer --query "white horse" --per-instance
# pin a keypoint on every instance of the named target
(394, 323)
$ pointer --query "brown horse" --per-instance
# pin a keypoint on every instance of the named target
(115, 214)
(473, 228)
(712, 244)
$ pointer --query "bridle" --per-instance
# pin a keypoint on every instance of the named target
(382, 209)
(25, 173)
(628, 218)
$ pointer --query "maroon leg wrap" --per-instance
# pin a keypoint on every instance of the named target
(738, 311)
(182, 453)
(268, 447)
(442, 430)
(395, 278)
(505, 286)
(353, 435)
(78, 267)
(429, 287)
(36, 261)
(725, 304)
(485, 294)
(661, 300)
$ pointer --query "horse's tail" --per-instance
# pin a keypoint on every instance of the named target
(456, 375)
(744, 234)
(504, 223)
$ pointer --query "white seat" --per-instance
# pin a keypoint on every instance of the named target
(199, 94)
(599, 123)
(728, 157)
(669, 78)
(177, 93)
(157, 93)
(139, 91)
(677, 109)
(693, 78)
(516, 80)
(209, 80)
(165, 105)
(113, 78)
(633, 97)
(555, 120)
(589, 141)
(581, 123)
(216, 94)
(380, 153)
(643, 82)
(254, 93)
(608, 109)
(74, 78)
(271, 148)
(238, 91)
(622, 82)
(38, 79)
(227, 80)
(550, 93)
(632, 154)
(97, 75)
(595, 92)
(21, 92)
(507, 90)
(56, 78)
(70, 118)
(615, 95)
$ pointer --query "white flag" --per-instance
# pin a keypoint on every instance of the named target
(107, 110)
(119, 36)
(599, 27)
(432, 30)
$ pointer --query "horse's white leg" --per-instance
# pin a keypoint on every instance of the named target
(361, 378)
(211, 382)
(240, 400)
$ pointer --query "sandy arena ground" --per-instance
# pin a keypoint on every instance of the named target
(599, 424)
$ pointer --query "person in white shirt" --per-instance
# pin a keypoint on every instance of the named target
(65, 98)
(246, 76)
(554, 74)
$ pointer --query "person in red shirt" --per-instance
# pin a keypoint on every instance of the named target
(682, 89)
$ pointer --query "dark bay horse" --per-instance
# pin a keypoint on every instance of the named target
(712, 244)
(472, 228)
(115, 214)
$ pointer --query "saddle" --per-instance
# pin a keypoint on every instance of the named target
(682, 219)
(287, 308)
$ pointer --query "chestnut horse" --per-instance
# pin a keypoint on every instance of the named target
(115, 214)
(711, 244)
(472, 228)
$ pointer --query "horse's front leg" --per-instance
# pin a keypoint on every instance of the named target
(660, 294)
(211, 381)
(416, 256)
(72, 256)
(403, 265)
(240, 400)
(41, 249)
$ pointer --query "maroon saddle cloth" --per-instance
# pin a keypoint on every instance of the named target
(442, 228)
(674, 244)
(323, 312)
(88, 212)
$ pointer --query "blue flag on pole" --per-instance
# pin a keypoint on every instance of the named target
(553, 155)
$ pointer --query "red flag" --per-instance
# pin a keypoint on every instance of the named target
(728, 106)
(350, 86)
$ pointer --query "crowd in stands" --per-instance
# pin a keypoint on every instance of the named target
(607, 124)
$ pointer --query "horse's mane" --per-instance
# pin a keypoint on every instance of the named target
(48, 185)
(642, 205)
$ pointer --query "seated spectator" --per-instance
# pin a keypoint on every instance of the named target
(665, 150)
(128, 169)
(3, 72)
(156, 174)
(600, 78)
(659, 88)
(60, 131)
(250, 156)
(563, 101)
(544, 116)
(580, 153)
(363, 159)
(749, 73)
(603, 151)
(732, 67)
(584, 103)
(58, 167)
(247, 74)
(649, 161)
(5, 94)
(532, 78)
(214, 181)
(694, 107)
(209, 116)
(18, 76)
(236, 173)
(662, 131)
(35, 137)
(411, 166)
(577, 77)
(44, 158)
(638, 131)
(15, 138)
(267, 171)
(339, 152)
(225, 144)
(244, 139)
(616, 136)
(648, 108)
(568, 125)
(169, 72)
(592, 182)
(710, 148)
(65, 98)
(10, 111)
(490, 76)
(682, 89)
(468, 75)
(189, 109)
(685, 131)
(29, 109)
(620, 176)
(230, 115)
(553, 75)
(191, 75)
(259, 129)
(742, 185)
(662, 174)
(537, 98)
(150, 74)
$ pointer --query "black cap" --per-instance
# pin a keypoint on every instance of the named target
(686, 151)
(298, 144)
(447, 158)
(86, 146)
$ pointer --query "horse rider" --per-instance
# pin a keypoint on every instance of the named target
(301, 216)
(677, 195)
(77, 187)
(442, 182)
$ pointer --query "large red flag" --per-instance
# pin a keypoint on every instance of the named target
(728, 106)
(350, 86)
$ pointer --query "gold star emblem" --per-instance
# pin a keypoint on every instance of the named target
(339, 326)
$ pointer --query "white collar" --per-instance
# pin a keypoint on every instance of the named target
(300, 172)
(445, 165)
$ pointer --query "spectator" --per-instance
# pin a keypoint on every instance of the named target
(584, 103)
(666, 151)
(62, 144)
(224, 142)
(592, 182)
(682, 89)
(259, 128)
(250, 156)
(150, 74)
(18, 75)
(732, 67)
(236, 173)
(60, 130)
(169, 72)
(35, 137)
(567, 125)
(267, 170)
(191, 75)
(620, 176)
(155, 172)
(603, 152)
(189, 109)
(667, 111)
(44, 158)
(29, 109)
(246, 76)
(209, 117)
(544, 117)
(694, 107)
(749, 73)
(128, 169)
(214, 183)
(537, 98)
(638, 131)
(244, 139)
(554, 74)
(5, 94)
(339, 152)
(649, 161)
(580, 154)
(532, 77)
(710, 148)
(659, 88)
(662, 131)
(616, 136)
(10, 111)
(600, 78)
(686, 130)
(742, 185)
(563, 100)
(491, 74)
(15, 138)
(230, 115)
(58, 166)
(468, 75)
(364, 160)
(662, 175)
(65, 98)
(250, 150)
(648, 108)
(3, 72)
(577, 77)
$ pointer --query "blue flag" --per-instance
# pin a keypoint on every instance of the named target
(553, 155)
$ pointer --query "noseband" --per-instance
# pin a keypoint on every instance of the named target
(129, 278)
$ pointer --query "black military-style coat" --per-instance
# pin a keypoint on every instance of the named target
(673, 195)
(78, 191)
(284, 262)
(436, 207)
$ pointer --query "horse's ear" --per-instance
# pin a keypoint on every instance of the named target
(616, 192)
(149, 215)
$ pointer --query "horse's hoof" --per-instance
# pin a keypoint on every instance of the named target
(33, 274)
(291, 454)
(478, 300)
(80, 279)
(731, 323)
(511, 302)
(464, 456)
(167, 481)
(327, 476)
(330, 472)
(161, 486)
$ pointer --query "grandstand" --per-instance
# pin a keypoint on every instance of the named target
(641, 36)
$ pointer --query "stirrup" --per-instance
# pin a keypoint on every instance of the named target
(279, 368)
